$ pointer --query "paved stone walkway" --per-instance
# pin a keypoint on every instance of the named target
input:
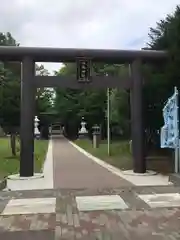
(77, 176)
(73, 169)
(137, 222)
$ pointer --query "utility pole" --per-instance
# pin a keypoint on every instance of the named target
(108, 120)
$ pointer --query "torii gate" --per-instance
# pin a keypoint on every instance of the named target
(29, 55)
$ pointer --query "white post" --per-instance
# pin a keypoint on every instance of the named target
(176, 160)
(108, 120)
(130, 142)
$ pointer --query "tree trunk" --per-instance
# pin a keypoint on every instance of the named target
(13, 144)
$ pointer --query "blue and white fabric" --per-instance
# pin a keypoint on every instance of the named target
(170, 130)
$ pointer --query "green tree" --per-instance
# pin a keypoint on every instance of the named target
(9, 92)
(44, 96)
(44, 103)
(163, 77)
(72, 105)
(92, 104)
(10, 84)
(9, 87)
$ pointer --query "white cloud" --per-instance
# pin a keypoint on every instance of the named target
(83, 23)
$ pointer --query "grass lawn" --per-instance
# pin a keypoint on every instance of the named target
(10, 165)
(121, 158)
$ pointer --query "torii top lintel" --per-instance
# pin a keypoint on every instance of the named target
(10, 53)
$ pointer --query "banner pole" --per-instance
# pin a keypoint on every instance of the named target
(177, 133)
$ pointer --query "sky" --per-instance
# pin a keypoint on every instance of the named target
(104, 24)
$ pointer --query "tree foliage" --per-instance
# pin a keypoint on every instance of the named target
(44, 96)
(72, 105)
(10, 86)
(163, 77)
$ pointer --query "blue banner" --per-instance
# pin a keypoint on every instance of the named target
(170, 130)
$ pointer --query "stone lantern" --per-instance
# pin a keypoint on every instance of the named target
(36, 130)
(83, 132)
(96, 136)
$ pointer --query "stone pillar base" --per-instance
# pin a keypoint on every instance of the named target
(15, 182)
